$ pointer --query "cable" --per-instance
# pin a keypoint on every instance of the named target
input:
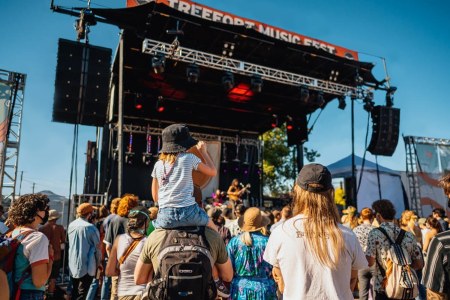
(378, 177)
(365, 152)
(312, 126)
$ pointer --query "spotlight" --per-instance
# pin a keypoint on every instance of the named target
(390, 96)
(256, 83)
(192, 73)
(160, 104)
(342, 103)
(228, 81)
(304, 94)
(274, 123)
(158, 63)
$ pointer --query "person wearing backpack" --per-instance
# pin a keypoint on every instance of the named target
(379, 253)
(125, 253)
(172, 268)
(34, 256)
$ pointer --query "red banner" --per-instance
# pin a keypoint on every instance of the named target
(210, 14)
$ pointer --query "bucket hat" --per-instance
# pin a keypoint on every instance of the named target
(176, 138)
(252, 220)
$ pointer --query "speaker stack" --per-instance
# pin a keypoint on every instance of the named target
(385, 130)
(82, 83)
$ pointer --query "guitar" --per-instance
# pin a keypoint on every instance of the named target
(245, 188)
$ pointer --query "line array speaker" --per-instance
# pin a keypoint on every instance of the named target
(81, 83)
(385, 130)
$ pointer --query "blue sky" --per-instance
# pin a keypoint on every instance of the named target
(413, 37)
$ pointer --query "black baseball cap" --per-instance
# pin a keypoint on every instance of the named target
(316, 174)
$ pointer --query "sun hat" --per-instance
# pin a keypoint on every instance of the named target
(314, 174)
(84, 209)
(53, 214)
(349, 210)
(252, 220)
(176, 138)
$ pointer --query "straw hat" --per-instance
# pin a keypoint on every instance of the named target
(252, 220)
(53, 214)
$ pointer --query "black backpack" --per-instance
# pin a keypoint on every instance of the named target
(185, 267)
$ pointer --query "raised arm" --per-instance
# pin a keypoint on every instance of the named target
(207, 168)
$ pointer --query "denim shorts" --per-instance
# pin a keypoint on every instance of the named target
(173, 217)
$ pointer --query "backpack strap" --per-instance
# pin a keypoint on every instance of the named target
(386, 235)
(129, 250)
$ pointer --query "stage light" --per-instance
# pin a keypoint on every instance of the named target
(147, 158)
(289, 124)
(320, 100)
(304, 94)
(160, 104)
(192, 73)
(390, 96)
(368, 102)
(228, 49)
(228, 81)
(138, 102)
(333, 75)
(274, 123)
(256, 83)
(158, 63)
(342, 103)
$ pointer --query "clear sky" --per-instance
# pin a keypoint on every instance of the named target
(413, 37)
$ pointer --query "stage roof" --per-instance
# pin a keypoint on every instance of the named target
(206, 104)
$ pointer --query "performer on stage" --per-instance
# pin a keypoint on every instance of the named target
(235, 192)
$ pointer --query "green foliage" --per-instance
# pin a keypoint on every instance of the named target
(279, 163)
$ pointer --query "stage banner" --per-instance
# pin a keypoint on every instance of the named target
(210, 14)
(444, 155)
(5, 97)
(427, 158)
(431, 159)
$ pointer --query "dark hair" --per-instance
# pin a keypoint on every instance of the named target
(240, 209)
(439, 211)
(24, 210)
(137, 218)
(434, 223)
(102, 212)
(444, 183)
(385, 208)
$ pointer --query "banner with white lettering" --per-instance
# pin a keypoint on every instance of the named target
(207, 13)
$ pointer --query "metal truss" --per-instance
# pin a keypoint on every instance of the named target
(199, 136)
(13, 94)
(411, 174)
(428, 140)
(175, 52)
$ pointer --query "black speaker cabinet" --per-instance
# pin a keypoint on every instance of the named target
(298, 134)
(385, 130)
(81, 83)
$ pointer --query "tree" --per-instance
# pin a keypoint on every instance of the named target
(279, 163)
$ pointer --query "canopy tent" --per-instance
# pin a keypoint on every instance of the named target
(391, 186)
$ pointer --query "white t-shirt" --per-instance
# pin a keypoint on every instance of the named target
(304, 277)
(176, 188)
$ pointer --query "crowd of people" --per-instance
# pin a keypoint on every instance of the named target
(305, 250)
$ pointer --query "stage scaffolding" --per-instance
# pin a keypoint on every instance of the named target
(12, 95)
(413, 167)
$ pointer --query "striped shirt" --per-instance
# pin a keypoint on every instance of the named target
(436, 268)
(176, 187)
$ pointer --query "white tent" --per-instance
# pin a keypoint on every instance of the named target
(391, 185)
